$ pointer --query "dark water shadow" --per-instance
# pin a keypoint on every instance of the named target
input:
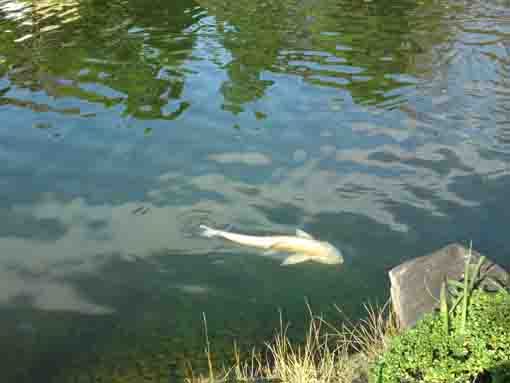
(155, 324)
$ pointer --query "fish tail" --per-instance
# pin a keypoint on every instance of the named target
(209, 232)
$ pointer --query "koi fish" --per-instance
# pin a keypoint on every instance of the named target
(302, 247)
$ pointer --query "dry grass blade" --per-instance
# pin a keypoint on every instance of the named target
(326, 356)
(371, 335)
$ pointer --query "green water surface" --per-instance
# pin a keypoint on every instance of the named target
(380, 126)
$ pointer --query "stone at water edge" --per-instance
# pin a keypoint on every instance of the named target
(415, 284)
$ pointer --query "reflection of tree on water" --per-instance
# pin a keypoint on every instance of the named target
(465, 74)
(503, 98)
(356, 47)
(254, 33)
(244, 86)
(109, 53)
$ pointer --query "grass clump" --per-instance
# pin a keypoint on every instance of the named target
(328, 354)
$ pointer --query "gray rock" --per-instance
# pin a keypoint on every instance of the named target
(415, 284)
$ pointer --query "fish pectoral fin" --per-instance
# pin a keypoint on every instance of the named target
(275, 250)
(296, 258)
(303, 234)
(271, 252)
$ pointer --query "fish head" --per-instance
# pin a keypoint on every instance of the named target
(331, 255)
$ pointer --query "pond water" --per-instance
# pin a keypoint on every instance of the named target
(380, 126)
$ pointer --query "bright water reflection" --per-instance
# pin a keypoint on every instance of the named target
(382, 127)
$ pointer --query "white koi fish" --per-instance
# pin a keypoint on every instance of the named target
(302, 247)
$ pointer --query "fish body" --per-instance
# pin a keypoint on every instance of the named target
(302, 247)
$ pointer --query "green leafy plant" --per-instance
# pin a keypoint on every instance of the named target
(468, 340)
(472, 279)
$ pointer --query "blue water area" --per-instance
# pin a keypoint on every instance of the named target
(382, 127)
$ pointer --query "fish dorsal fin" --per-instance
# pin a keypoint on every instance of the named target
(303, 234)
